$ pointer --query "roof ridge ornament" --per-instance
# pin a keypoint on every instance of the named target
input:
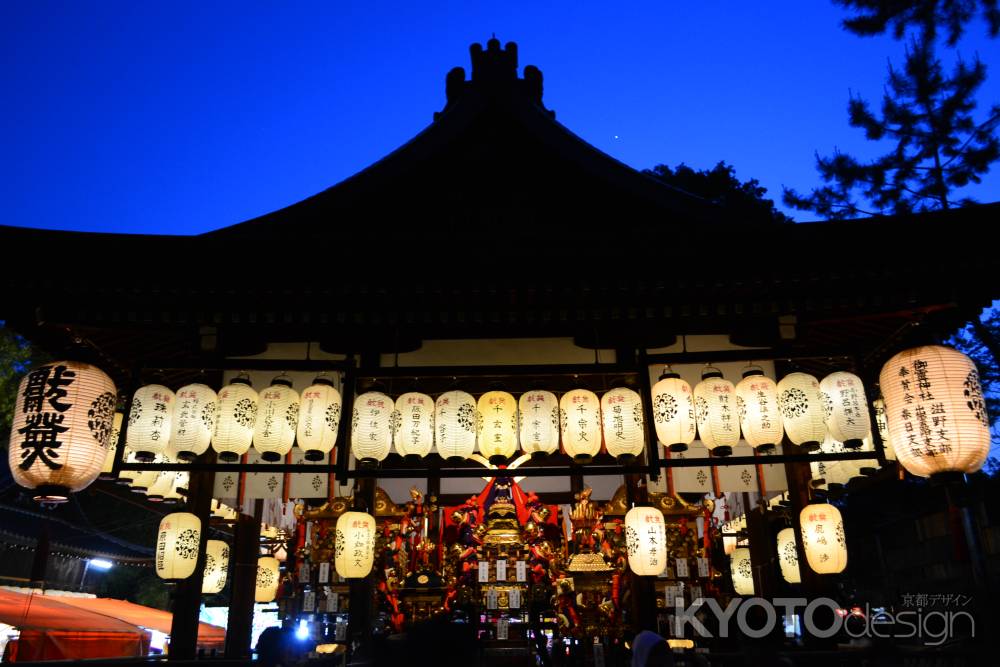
(494, 72)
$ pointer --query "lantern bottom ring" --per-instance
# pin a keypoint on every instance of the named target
(412, 458)
(186, 456)
(678, 447)
(51, 494)
(229, 457)
(155, 499)
(817, 482)
(766, 448)
(945, 478)
(811, 446)
(722, 450)
(139, 489)
(270, 457)
(626, 459)
(582, 459)
(853, 443)
(106, 477)
(868, 472)
(145, 456)
(455, 460)
(535, 456)
(498, 459)
(314, 455)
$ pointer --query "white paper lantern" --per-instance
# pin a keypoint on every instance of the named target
(268, 578)
(195, 410)
(823, 538)
(538, 417)
(935, 410)
(878, 407)
(177, 545)
(715, 411)
(413, 425)
(840, 472)
(729, 544)
(277, 418)
(455, 425)
(673, 412)
(497, 426)
(236, 420)
(371, 426)
(109, 460)
(63, 418)
(788, 556)
(355, 545)
(150, 421)
(803, 413)
(319, 419)
(163, 483)
(624, 434)
(846, 408)
(646, 541)
(141, 480)
(757, 406)
(216, 567)
(580, 420)
(742, 571)
(174, 495)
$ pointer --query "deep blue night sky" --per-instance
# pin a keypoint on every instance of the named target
(182, 117)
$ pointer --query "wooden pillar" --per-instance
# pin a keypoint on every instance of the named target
(40, 561)
(433, 518)
(763, 554)
(644, 614)
(359, 616)
(246, 550)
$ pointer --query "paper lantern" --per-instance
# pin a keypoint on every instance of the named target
(63, 418)
(580, 420)
(277, 418)
(715, 411)
(216, 567)
(237, 417)
(497, 426)
(141, 480)
(163, 483)
(742, 570)
(455, 425)
(846, 408)
(195, 411)
(268, 578)
(757, 407)
(840, 472)
(109, 460)
(788, 556)
(150, 421)
(538, 418)
(803, 413)
(878, 407)
(355, 545)
(729, 544)
(823, 538)
(371, 427)
(673, 412)
(413, 425)
(177, 545)
(319, 419)
(621, 410)
(935, 411)
(174, 495)
(646, 541)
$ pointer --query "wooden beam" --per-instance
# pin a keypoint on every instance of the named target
(246, 551)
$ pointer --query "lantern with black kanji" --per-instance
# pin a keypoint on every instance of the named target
(757, 407)
(538, 417)
(715, 411)
(277, 417)
(109, 460)
(196, 408)
(371, 427)
(646, 541)
(236, 419)
(846, 408)
(413, 425)
(788, 556)
(268, 578)
(216, 567)
(803, 412)
(624, 430)
(881, 424)
(319, 419)
(163, 483)
(741, 569)
(139, 481)
(455, 425)
(497, 426)
(673, 412)
(354, 552)
(177, 544)
(580, 421)
(150, 421)
(823, 539)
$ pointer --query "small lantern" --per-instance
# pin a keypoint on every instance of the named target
(935, 411)
(163, 483)
(802, 411)
(757, 407)
(646, 541)
(580, 419)
(497, 426)
(729, 544)
(237, 417)
(455, 425)
(355, 545)
(194, 421)
(788, 556)
(150, 421)
(109, 459)
(268, 577)
(277, 418)
(141, 480)
(319, 419)
(181, 480)
(216, 567)
(673, 412)
(371, 427)
(413, 425)
(742, 571)
(715, 410)
(177, 546)
(538, 417)
(823, 538)
(878, 407)
(624, 437)
(846, 408)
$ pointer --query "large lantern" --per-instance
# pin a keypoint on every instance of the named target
(538, 416)
(177, 545)
(802, 411)
(878, 407)
(150, 421)
(355, 545)
(63, 418)
(109, 460)
(268, 578)
(935, 411)
(371, 427)
(624, 435)
(194, 421)
(715, 410)
(757, 405)
(319, 419)
(455, 425)
(580, 419)
(673, 412)
(846, 408)
(216, 567)
(237, 417)
(277, 417)
(646, 541)
(497, 426)
(413, 425)
(788, 556)
(823, 538)
(742, 570)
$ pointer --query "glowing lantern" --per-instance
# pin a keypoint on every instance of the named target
(141, 480)
(194, 421)
(580, 419)
(935, 411)
(673, 412)
(268, 577)
(163, 483)
(173, 496)
(624, 437)
(729, 544)
(538, 416)
(646, 541)
(63, 418)
(878, 406)
(757, 405)
(823, 538)
(109, 459)
(237, 417)
(371, 427)
(319, 419)
(177, 546)
(788, 556)
(715, 410)
(355, 545)
(216, 567)
(150, 421)
(413, 425)
(497, 426)
(846, 408)
(802, 411)
(277, 417)
(455, 425)
(742, 571)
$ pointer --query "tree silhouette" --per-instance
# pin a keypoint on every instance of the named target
(874, 17)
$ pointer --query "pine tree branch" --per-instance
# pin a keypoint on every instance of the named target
(995, 118)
